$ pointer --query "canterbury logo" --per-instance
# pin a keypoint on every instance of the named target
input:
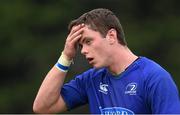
(103, 88)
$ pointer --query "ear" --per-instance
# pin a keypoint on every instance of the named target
(111, 36)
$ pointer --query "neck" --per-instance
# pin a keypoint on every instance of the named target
(120, 60)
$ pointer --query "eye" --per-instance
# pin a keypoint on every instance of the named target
(88, 41)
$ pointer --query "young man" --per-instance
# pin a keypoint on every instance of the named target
(119, 83)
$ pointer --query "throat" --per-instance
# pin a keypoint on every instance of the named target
(118, 69)
(117, 73)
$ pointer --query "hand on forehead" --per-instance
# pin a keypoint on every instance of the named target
(76, 27)
(79, 29)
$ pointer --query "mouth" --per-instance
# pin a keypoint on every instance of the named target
(90, 60)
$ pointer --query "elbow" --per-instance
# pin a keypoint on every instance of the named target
(38, 108)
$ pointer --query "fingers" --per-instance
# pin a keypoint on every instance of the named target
(75, 40)
(75, 28)
(75, 31)
(72, 40)
(75, 34)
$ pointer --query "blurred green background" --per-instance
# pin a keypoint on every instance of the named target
(33, 33)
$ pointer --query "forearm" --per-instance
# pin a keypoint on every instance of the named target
(50, 88)
(49, 91)
(48, 96)
(48, 99)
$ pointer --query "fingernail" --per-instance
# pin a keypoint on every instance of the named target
(82, 24)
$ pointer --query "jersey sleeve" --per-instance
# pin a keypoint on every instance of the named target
(163, 94)
(74, 92)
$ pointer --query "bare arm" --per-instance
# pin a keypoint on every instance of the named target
(48, 99)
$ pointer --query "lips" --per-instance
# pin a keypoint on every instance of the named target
(90, 59)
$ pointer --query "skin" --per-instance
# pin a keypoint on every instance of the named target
(106, 52)
(99, 51)
(94, 47)
(48, 99)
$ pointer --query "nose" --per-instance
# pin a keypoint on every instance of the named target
(84, 50)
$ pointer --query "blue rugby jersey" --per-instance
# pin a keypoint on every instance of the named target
(143, 88)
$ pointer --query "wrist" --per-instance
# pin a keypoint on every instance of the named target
(63, 63)
(67, 55)
(64, 60)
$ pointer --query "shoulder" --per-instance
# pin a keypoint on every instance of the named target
(91, 73)
(154, 75)
(150, 68)
(88, 77)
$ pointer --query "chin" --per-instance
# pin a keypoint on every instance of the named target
(98, 66)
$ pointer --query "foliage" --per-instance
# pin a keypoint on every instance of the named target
(33, 33)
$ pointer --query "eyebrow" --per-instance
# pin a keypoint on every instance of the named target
(81, 41)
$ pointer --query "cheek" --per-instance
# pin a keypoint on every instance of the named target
(100, 48)
(100, 51)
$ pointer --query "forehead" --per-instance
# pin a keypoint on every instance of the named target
(89, 33)
(87, 30)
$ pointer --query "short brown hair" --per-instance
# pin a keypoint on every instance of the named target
(101, 20)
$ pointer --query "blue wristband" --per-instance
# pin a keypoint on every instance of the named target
(62, 67)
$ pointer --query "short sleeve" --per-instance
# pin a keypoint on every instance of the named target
(163, 94)
(74, 92)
